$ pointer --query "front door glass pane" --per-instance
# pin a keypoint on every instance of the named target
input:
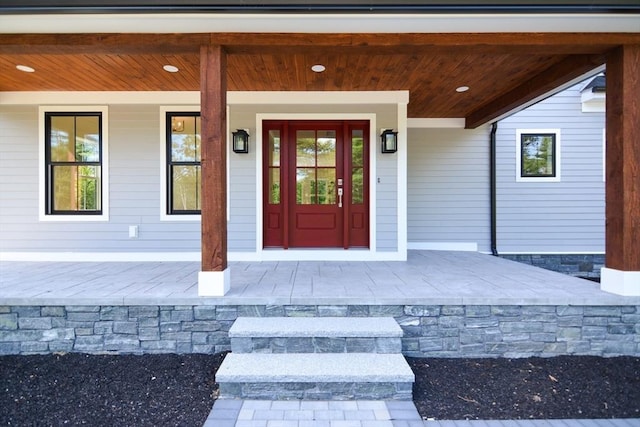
(274, 186)
(326, 186)
(357, 186)
(305, 148)
(306, 186)
(326, 148)
(274, 148)
(357, 148)
(357, 163)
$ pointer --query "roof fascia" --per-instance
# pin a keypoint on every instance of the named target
(318, 23)
(317, 6)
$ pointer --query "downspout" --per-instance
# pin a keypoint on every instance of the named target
(492, 189)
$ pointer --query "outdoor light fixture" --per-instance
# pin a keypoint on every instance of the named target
(389, 141)
(240, 141)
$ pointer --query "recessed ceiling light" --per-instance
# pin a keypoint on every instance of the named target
(462, 89)
(170, 68)
(25, 69)
(318, 68)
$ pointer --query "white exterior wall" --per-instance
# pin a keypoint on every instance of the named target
(554, 217)
(448, 189)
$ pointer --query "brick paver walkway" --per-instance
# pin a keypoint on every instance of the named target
(361, 413)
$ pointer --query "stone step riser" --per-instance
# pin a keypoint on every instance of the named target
(318, 391)
(316, 345)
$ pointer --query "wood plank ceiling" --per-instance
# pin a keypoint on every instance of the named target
(431, 69)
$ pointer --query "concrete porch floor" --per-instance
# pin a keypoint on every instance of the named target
(427, 277)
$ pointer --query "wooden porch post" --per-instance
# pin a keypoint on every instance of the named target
(213, 280)
(621, 274)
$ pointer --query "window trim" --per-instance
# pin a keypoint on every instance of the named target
(104, 164)
(164, 184)
(557, 156)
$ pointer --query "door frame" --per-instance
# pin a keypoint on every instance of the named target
(299, 254)
(345, 214)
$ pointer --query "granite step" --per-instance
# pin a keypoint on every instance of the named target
(315, 335)
(314, 376)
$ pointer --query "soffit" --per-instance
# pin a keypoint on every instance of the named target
(430, 67)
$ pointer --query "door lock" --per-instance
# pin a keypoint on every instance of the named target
(339, 196)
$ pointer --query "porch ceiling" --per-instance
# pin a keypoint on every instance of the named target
(502, 70)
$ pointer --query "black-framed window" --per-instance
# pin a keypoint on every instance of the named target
(73, 163)
(538, 155)
(184, 175)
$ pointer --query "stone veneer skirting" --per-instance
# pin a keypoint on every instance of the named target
(580, 265)
(429, 330)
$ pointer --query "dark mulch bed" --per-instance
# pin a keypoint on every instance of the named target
(179, 390)
(558, 387)
(77, 389)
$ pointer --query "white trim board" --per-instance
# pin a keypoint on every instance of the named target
(101, 256)
(557, 153)
(443, 246)
(317, 97)
(105, 171)
(101, 98)
(192, 98)
(450, 123)
(319, 23)
(260, 117)
(266, 255)
(163, 162)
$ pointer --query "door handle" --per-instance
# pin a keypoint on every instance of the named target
(339, 197)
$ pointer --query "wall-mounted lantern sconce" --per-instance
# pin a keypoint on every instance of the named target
(240, 141)
(389, 141)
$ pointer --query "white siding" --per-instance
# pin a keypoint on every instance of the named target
(242, 226)
(448, 180)
(134, 173)
(135, 185)
(565, 216)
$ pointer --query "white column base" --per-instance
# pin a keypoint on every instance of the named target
(214, 283)
(620, 282)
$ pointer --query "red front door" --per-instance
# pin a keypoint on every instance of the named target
(316, 184)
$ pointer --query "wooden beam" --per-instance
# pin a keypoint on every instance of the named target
(545, 82)
(539, 43)
(623, 159)
(213, 111)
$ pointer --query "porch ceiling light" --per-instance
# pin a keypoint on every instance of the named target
(461, 89)
(170, 68)
(389, 141)
(240, 141)
(318, 68)
(25, 68)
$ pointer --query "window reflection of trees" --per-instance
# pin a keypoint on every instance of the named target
(315, 172)
(73, 142)
(186, 172)
(537, 155)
